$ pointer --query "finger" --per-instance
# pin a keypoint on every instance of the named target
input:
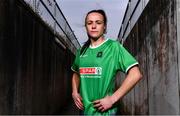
(100, 108)
(80, 101)
(97, 105)
(79, 97)
(103, 110)
(96, 102)
(79, 105)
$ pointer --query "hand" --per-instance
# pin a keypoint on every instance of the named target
(77, 100)
(104, 103)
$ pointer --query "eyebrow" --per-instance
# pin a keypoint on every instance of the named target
(95, 21)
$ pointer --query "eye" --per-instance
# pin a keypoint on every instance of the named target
(99, 22)
(89, 23)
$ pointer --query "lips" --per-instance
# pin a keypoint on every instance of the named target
(94, 31)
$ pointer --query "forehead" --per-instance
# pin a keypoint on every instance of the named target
(94, 16)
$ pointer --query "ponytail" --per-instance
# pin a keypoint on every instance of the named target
(85, 46)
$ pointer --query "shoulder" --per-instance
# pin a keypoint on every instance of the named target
(115, 43)
(78, 51)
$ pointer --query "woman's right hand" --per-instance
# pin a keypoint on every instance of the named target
(78, 100)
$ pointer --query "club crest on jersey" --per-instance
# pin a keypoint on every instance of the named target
(91, 71)
(99, 54)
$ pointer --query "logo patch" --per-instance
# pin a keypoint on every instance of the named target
(99, 54)
(91, 71)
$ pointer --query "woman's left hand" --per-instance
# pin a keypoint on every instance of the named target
(103, 104)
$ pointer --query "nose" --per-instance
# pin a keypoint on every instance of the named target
(93, 25)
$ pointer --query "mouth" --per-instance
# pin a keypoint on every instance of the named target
(94, 31)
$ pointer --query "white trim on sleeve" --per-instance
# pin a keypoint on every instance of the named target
(74, 70)
(131, 66)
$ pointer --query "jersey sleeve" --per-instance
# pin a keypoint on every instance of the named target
(75, 65)
(125, 59)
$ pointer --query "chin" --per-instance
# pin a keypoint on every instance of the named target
(95, 38)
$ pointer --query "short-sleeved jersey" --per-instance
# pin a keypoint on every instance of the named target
(97, 68)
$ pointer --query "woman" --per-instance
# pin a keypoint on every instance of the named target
(95, 68)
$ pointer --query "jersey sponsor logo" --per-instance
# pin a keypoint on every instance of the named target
(91, 71)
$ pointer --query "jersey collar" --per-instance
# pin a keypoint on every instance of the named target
(98, 45)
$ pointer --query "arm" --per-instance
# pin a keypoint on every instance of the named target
(75, 94)
(133, 77)
(130, 81)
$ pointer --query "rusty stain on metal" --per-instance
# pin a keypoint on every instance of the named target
(154, 44)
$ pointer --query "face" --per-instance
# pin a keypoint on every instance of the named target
(95, 25)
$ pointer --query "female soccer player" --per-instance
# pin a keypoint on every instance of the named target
(95, 68)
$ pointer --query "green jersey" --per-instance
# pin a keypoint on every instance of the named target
(97, 68)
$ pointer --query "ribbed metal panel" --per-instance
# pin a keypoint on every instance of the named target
(35, 74)
(154, 41)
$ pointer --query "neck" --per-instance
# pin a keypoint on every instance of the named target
(97, 42)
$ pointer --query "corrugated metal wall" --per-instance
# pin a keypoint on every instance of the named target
(34, 69)
(153, 41)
